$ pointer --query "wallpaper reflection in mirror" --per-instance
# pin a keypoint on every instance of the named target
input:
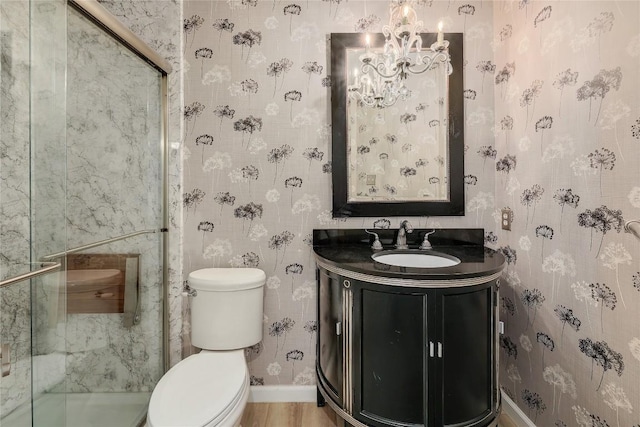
(399, 152)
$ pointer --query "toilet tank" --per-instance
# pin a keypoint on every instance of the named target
(227, 307)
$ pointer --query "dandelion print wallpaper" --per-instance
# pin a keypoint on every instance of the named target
(567, 119)
(552, 126)
(257, 168)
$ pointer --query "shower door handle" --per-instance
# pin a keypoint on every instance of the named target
(45, 267)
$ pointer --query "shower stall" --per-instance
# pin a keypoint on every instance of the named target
(83, 217)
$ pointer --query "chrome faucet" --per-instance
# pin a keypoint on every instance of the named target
(405, 227)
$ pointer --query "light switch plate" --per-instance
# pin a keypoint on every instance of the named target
(371, 180)
(506, 218)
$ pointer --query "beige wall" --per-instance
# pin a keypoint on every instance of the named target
(542, 43)
(572, 299)
(212, 170)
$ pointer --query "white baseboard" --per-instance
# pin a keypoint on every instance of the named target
(283, 393)
(307, 393)
(515, 413)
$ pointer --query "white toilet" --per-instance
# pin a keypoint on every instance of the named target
(211, 388)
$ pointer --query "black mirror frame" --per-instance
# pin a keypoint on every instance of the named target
(340, 42)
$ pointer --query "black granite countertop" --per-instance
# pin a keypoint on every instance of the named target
(350, 249)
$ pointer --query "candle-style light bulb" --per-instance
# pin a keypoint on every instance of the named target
(405, 15)
(367, 43)
(440, 34)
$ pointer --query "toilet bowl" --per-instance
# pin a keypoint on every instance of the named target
(211, 388)
(207, 389)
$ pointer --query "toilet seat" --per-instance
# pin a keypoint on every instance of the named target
(200, 391)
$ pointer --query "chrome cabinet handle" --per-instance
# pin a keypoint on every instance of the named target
(440, 350)
(430, 348)
(338, 328)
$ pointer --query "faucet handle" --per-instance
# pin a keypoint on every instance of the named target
(376, 246)
(426, 244)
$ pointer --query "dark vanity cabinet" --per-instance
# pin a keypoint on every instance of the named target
(392, 355)
(330, 333)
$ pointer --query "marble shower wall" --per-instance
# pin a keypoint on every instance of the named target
(94, 200)
(158, 23)
(257, 161)
(568, 147)
(15, 309)
(112, 170)
(14, 138)
(96, 173)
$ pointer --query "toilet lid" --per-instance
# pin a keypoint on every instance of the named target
(199, 389)
(226, 279)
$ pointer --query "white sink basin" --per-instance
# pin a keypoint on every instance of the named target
(416, 259)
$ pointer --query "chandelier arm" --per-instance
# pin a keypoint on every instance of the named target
(428, 61)
(379, 69)
(441, 56)
(414, 69)
(389, 36)
(369, 101)
(372, 101)
(392, 102)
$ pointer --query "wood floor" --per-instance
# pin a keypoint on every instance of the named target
(301, 415)
(290, 414)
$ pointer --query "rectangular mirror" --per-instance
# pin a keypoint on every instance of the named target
(403, 159)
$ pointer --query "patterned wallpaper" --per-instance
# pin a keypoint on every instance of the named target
(567, 136)
(257, 161)
(560, 151)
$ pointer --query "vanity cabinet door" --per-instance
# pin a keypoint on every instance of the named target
(389, 366)
(468, 383)
(330, 334)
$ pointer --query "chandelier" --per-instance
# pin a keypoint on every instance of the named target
(381, 80)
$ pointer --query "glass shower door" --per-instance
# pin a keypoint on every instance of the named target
(48, 212)
(82, 200)
(15, 259)
(97, 207)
